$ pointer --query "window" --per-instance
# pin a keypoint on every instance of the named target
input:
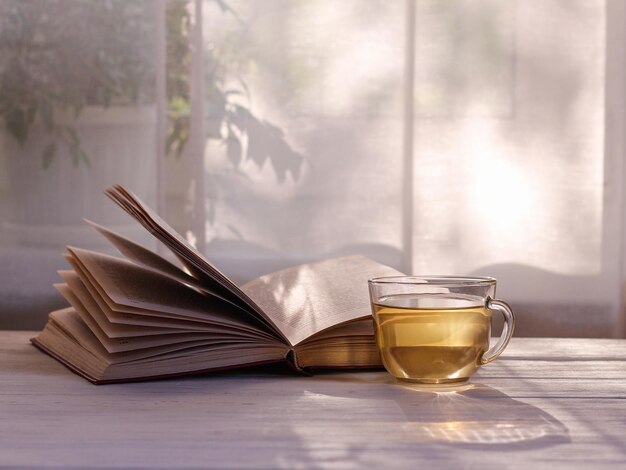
(466, 137)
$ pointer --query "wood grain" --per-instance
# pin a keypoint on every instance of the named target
(546, 403)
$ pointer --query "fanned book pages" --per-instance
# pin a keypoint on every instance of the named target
(141, 316)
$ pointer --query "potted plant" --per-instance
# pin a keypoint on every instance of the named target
(76, 111)
(77, 86)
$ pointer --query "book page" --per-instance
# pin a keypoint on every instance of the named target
(126, 283)
(83, 289)
(131, 343)
(150, 259)
(363, 327)
(308, 299)
(72, 342)
(192, 259)
(142, 255)
(125, 314)
(71, 323)
(99, 311)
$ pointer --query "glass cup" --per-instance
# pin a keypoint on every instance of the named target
(436, 329)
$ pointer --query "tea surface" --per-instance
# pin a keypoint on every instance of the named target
(424, 339)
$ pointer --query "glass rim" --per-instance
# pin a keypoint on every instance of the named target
(435, 280)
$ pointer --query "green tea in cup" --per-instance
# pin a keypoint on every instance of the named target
(436, 329)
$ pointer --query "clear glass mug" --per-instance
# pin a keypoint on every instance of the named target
(436, 329)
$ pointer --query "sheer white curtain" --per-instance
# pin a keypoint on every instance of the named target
(461, 137)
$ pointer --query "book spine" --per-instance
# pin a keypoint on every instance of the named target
(292, 361)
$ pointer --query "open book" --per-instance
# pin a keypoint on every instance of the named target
(142, 316)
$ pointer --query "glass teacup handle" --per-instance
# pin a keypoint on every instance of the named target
(507, 330)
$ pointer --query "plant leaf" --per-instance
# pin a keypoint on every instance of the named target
(72, 135)
(48, 154)
(78, 155)
(233, 150)
(47, 114)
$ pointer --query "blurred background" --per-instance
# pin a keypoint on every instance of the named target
(462, 137)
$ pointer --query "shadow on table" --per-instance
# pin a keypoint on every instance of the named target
(472, 415)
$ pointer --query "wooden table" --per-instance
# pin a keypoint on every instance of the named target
(547, 403)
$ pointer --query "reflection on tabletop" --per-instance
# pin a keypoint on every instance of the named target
(469, 414)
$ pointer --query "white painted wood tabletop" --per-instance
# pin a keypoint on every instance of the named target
(546, 403)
